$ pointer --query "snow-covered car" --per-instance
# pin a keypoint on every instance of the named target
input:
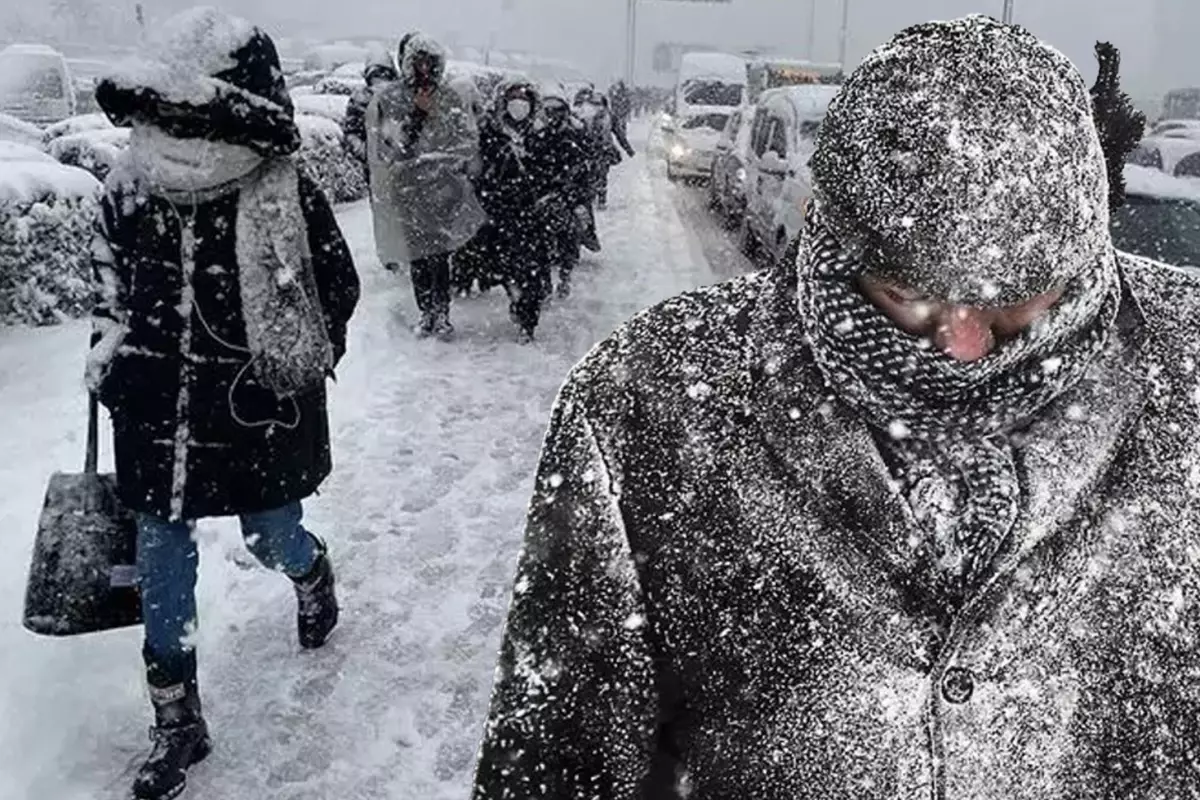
(1160, 219)
(86, 73)
(305, 79)
(328, 57)
(15, 130)
(1164, 153)
(36, 84)
(96, 151)
(47, 211)
(727, 188)
(691, 143)
(330, 106)
(778, 183)
(1177, 127)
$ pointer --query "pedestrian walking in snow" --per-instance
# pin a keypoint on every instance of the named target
(422, 142)
(916, 518)
(592, 108)
(621, 105)
(516, 192)
(563, 138)
(378, 73)
(224, 290)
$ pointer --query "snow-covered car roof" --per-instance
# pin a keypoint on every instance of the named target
(1147, 182)
(809, 101)
(330, 106)
(16, 130)
(712, 66)
(354, 69)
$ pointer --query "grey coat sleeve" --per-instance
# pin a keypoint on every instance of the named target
(574, 707)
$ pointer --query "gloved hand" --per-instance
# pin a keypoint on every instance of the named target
(101, 355)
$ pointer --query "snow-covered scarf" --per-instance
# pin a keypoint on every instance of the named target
(948, 420)
(288, 343)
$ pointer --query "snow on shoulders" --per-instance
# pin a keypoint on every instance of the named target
(26, 182)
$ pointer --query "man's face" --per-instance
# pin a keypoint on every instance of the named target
(965, 333)
(424, 69)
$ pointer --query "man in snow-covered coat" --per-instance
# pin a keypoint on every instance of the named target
(918, 518)
(379, 72)
(224, 288)
(516, 189)
(592, 107)
(422, 142)
(564, 140)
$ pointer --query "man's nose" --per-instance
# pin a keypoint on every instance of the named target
(964, 333)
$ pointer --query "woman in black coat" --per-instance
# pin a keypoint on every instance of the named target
(224, 290)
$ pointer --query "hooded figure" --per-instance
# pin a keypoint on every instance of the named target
(422, 141)
(224, 290)
(515, 189)
(380, 71)
(564, 139)
(916, 518)
(592, 107)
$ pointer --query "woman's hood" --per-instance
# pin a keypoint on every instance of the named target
(422, 44)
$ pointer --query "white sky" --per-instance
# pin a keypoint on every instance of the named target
(1157, 37)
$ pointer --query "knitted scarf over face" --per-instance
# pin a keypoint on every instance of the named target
(949, 420)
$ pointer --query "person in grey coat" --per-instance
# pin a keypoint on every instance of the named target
(423, 144)
(916, 518)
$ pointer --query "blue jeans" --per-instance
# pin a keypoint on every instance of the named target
(167, 560)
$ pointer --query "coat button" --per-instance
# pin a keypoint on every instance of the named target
(958, 685)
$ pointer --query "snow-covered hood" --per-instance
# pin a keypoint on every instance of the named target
(962, 159)
(422, 44)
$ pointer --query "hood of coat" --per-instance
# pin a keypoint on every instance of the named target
(961, 160)
(206, 75)
(380, 65)
(510, 86)
(420, 47)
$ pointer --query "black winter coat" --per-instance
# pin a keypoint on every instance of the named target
(195, 434)
(514, 177)
(563, 156)
(713, 602)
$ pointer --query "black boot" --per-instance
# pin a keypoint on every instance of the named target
(180, 740)
(317, 606)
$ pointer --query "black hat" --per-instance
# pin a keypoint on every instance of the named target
(209, 76)
(961, 159)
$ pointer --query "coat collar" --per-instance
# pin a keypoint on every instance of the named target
(828, 449)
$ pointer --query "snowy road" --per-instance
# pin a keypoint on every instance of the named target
(434, 447)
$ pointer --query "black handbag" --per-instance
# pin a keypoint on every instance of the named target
(83, 576)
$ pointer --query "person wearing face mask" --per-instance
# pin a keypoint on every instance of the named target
(224, 289)
(592, 107)
(422, 143)
(515, 191)
(914, 517)
(563, 138)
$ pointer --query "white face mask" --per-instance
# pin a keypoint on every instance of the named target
(519, 110)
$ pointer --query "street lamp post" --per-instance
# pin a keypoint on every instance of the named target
(812, 29)
(631, 42)
(845, 33)
(1008, 11)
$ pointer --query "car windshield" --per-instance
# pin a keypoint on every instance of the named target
(1165, 230)
(712, 93)
(30, 75)
(716, 122)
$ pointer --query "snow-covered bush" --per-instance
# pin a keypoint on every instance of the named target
(323, 157)
(338, 85)
(15, 130)
(74, 125)
(330, 106)
(47, 211)
(96, 151)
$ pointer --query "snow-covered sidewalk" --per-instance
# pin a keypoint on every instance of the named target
(434, 449)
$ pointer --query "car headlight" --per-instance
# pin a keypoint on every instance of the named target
(678, 150)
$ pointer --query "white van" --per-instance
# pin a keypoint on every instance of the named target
(36, 84)
(777, 178)
(710, 87)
